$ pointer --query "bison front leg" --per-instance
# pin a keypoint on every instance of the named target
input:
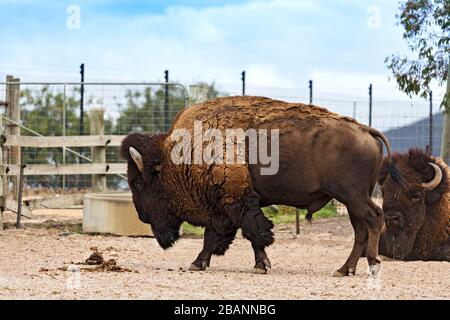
(213, 243)
(262, 262)
(258, 229)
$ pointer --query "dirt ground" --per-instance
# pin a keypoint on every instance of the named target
(43, 261)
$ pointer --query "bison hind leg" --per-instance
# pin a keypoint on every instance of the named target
(367, 221)
(213, 243)
(257, 228)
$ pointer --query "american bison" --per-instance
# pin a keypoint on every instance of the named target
(416, 212)
(321, 155)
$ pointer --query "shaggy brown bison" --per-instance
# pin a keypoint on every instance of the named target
(417, 212)
(321, 156)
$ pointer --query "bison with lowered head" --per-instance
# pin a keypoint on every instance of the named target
(320, 156)
(417, 212)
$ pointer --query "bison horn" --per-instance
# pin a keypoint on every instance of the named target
(137, 158)
(436, 180)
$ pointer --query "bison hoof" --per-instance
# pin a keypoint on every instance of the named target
(194, 267)
(257, 270)
(261, 266)
(338, 273)
(343, 272)
(374, 269)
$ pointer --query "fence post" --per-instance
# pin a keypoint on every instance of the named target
(243, 82)
(2, 180)
(166, 101)
(82, 100)
(97, 127)
(310, 91)
(13, 113)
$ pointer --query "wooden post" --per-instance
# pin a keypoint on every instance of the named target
(297, 221)
(13, 113)
(19, 198)
(97, 127)
(2, 180)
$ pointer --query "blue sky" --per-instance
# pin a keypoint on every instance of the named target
(340, 44)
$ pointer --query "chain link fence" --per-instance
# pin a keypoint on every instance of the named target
(53, 109)
(406, 122)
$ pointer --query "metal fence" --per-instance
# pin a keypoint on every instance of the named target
(53, 109)
(406, 122)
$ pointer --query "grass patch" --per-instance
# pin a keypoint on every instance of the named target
(278, 214)
(286, 214)
(190, 230)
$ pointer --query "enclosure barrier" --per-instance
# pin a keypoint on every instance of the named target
(11, 142)
(98, 168)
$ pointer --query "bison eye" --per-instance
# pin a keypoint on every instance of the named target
(416, 195)
(138, 184)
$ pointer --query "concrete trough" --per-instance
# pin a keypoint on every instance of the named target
(114, 213)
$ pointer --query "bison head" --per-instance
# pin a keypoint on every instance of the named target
(408, 205)
(144, 155)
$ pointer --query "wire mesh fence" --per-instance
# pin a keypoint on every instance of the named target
(406, 122)
(54, 110)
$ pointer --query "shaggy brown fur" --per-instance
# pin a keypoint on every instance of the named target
(322, 155)
(424, 234)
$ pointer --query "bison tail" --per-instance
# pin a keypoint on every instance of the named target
(393, 170)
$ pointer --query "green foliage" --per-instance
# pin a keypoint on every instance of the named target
(42, 111)
(143, 110)
(190, 230)
(286, 214)
(426, 26)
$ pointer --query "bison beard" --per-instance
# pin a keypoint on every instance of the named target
(167, 234)
(321, 156)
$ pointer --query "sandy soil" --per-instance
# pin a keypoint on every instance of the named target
(39, 262)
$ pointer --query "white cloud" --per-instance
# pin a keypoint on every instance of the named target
(267, 75)
(280, 43)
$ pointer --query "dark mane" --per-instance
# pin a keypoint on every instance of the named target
(417, 160)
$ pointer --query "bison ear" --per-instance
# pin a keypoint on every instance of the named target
(158, 168)
(432, 197)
